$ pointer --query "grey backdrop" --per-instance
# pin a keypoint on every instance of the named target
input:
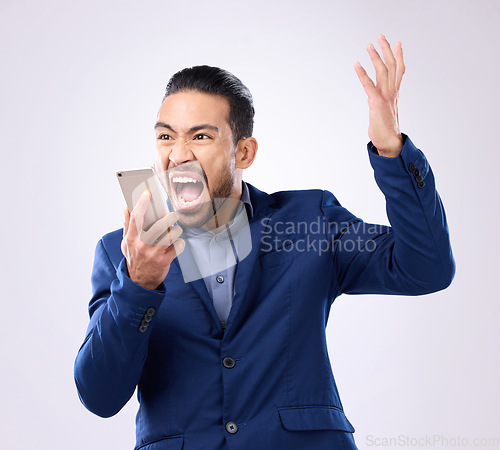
(80, 86)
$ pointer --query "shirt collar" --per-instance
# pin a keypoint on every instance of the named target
(245, 198)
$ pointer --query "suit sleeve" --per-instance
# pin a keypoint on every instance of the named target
(110, 361)
(411, 257)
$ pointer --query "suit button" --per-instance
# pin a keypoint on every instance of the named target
(143, 327)
(421, 184)
(231, 427)
(411, 167)
(419, 178)
(416, 173)
(220, 279)
(228, 362)
(150, 312)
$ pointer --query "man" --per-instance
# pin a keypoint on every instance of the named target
(233, 355)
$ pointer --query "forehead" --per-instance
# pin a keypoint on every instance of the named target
(184, 110)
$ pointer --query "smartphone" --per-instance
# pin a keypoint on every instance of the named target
(134, 182)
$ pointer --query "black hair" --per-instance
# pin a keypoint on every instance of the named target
(216, 81)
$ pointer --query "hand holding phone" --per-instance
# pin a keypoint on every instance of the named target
(150, 239)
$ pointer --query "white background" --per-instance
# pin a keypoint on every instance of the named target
(80, 87)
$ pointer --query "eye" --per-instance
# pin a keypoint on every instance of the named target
(164, 137)
(202, 136)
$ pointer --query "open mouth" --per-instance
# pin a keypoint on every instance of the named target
(186, 189)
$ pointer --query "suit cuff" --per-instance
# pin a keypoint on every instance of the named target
(374, 150)
(410, 161)
(136, 303)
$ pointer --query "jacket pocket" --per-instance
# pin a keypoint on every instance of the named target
(170, 443)
(309, 418)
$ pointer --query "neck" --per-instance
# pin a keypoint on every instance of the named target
(226, 212)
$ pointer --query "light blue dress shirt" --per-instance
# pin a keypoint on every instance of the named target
(217, 253)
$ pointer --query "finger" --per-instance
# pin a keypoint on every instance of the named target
(381, 71)
(176, 249)
(400, 64)
(390, 61)
(126, 220)
(137, 216)
(154, 232)
(171, 218)
(173, 251)
(167, 238)
(160, 233)
(366, 81)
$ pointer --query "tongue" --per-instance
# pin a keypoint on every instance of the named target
(191, 191)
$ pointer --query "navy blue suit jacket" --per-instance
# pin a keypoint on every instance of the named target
(281, 393)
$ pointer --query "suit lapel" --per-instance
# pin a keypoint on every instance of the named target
(189, 271)
(248, 272)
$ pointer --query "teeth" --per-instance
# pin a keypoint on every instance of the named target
(184, 180)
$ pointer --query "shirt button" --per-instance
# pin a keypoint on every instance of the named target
(231, 427)
(220, 279)
(228, 362)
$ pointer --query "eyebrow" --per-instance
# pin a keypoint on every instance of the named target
(204, 126)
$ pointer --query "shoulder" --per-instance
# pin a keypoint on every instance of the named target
(297, 196)
(284, 199)
(301, 205)
(306, 198)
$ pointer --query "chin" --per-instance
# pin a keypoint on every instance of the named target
(195, 218)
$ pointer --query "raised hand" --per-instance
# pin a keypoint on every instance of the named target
(383, 97)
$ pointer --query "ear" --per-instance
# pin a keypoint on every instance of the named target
(246, 151)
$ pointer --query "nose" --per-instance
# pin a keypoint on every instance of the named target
(181, 153)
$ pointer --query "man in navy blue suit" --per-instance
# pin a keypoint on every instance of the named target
(222, 330)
